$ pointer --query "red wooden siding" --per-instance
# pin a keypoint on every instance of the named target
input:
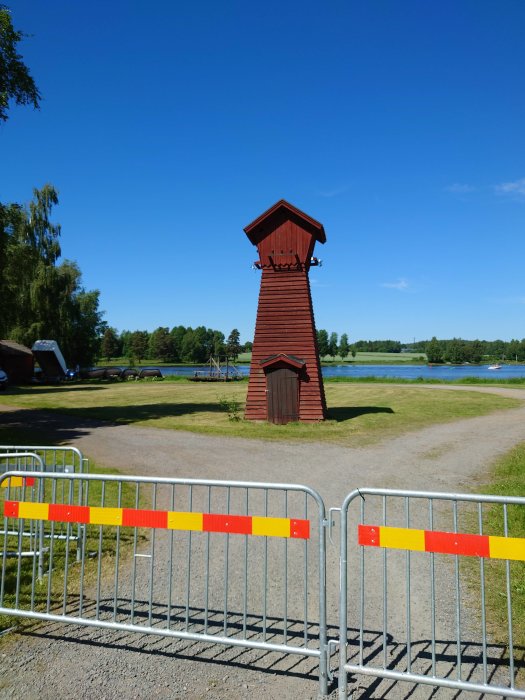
(288, 246)
(285, 238)
(285, 324)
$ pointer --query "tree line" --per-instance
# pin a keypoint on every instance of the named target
(40, 297)
(458, 351)
(454, 350)
(330, 345)
(180, 344)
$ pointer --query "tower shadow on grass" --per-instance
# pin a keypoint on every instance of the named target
(342, 413)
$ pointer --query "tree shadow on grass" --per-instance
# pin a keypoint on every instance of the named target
(53, 389)
(123, 415)
(342, 413)
(93, 415)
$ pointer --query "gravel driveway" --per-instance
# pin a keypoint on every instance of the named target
(55, 661)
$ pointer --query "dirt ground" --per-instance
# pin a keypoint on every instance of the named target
(55, 661)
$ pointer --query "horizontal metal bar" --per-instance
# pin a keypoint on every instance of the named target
(48, 448)
(434, 680)
(46, 536)
(166, 480)
(160, 632)
(435, 495)
(23, 455)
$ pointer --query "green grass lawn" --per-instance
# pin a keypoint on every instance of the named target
(508, 479)
(358, 413)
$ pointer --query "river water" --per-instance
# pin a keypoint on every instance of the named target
(408, 371)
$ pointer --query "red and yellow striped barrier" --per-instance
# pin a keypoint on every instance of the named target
(164, 519)
(487, 546)
(15, 481)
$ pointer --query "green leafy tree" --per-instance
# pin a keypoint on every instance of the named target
(332, 345)
(322, 342)
(110, 345)
(194, 346)
(177, 335)
(434, 351)
(219, 347)
(202, 347)
(16, 83)
(513, 349)
(139, 342)
(29, 249)
(233, 344)
(161, 345)
(455, 351)
(40, 298)
(474, 351)
(344, 347)
(83, 346)
(187, 345)
(125, 343)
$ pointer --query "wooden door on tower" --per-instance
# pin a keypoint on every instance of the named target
(282, 386)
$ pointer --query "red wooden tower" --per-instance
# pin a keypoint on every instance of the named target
(285, 376)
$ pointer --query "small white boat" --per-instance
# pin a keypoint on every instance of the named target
(496, 366)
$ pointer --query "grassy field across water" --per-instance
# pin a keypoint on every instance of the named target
(358, 413)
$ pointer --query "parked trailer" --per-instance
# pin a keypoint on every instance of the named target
(50, 359)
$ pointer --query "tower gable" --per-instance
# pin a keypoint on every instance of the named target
(285, 237)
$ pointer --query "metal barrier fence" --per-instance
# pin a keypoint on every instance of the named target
(66, 460)
(243, 564)
(224, 562)
(436, 556)
(33, 534)
(55, 459)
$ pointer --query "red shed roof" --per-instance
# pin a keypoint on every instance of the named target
(282, 357)
(281, 211)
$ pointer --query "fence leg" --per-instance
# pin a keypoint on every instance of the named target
(80, 528)
(323, 673)
(40, 550)
(323, 633)
(343, 607)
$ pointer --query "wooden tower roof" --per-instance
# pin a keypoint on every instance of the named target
(282, 211)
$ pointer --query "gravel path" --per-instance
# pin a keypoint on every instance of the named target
(54, 661)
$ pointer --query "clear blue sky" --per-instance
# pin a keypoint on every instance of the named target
(169, 126)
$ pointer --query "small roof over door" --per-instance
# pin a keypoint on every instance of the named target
(282, 358)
